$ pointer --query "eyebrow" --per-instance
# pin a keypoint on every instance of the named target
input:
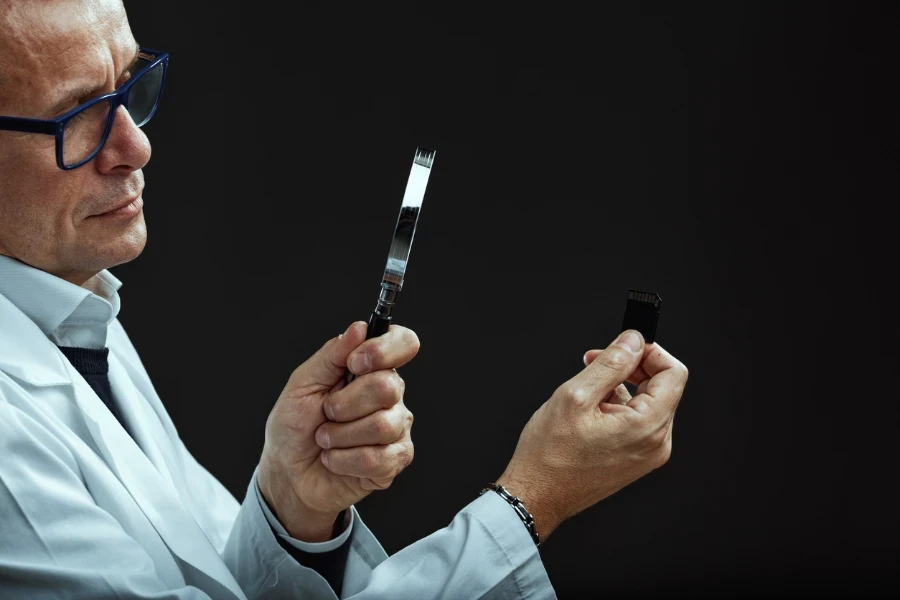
(83, 94)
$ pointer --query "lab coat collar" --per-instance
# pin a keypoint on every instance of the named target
(24, 351)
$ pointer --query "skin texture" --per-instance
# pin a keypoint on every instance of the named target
(47, 214)
(591, 438)
(329, 445)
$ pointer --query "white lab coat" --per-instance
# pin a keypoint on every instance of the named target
(85, 512)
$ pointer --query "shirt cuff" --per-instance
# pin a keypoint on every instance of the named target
(312, 547)
(513, 537)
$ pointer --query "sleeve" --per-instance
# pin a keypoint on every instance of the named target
(485, 552)
(251, 547)
(327, 558)
(53, 536)
(309, 547)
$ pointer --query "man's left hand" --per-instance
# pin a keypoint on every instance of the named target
(328, 444)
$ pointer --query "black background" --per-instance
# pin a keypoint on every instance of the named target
(739, 159)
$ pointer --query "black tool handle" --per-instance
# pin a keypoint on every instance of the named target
(378, 325)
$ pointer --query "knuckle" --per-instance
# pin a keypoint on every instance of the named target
(640, 406)
(377, 353)
(386, 385)
(367, 460)
(580, 396)
(397, 459)
(387, 467)
(680, 369)
(574, 393)
(615, 358)
(382, 425)
(396, 386)
(404, 457)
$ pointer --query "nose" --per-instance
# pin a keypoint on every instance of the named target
(126, 150)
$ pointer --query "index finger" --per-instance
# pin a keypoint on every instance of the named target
(394, 349)
(667, 377)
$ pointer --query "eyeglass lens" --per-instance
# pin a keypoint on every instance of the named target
(83, 133)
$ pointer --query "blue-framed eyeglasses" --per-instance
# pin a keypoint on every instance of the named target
(81, 132)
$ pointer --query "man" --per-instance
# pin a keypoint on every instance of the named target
(99, 498)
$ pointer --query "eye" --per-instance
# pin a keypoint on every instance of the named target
(77, 118)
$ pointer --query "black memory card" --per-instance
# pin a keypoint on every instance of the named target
(642, 313)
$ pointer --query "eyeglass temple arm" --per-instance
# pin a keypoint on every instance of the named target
(24, 125)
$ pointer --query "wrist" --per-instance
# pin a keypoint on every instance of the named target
(538, 504)
(301, 522)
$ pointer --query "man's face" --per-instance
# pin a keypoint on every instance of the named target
(60, 221)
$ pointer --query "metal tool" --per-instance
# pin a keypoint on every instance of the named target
(398, 256)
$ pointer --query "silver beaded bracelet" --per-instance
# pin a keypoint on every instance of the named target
(518, 507)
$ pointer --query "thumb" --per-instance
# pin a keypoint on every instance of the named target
(589, 356)
(328, 365)
(637, 377)
(614, 365)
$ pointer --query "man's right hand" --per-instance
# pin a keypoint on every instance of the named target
(591, 438)
(328, 444)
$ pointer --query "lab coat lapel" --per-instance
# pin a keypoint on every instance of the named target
(142, 422)
(152, 492)
(155, 422)
(27, 354)
(128, 356)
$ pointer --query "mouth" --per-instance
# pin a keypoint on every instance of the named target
(127, 208)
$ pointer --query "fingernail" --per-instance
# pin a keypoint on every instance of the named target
(360, 363)
(329, 411)
(324, 440)
(630, 341)
(325, 458)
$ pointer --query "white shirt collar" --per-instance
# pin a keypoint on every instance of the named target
(68, 314)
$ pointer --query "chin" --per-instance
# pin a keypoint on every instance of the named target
(125, 247)
(130, 246)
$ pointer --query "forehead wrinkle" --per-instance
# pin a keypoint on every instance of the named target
(92, 86)
(55, 49)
